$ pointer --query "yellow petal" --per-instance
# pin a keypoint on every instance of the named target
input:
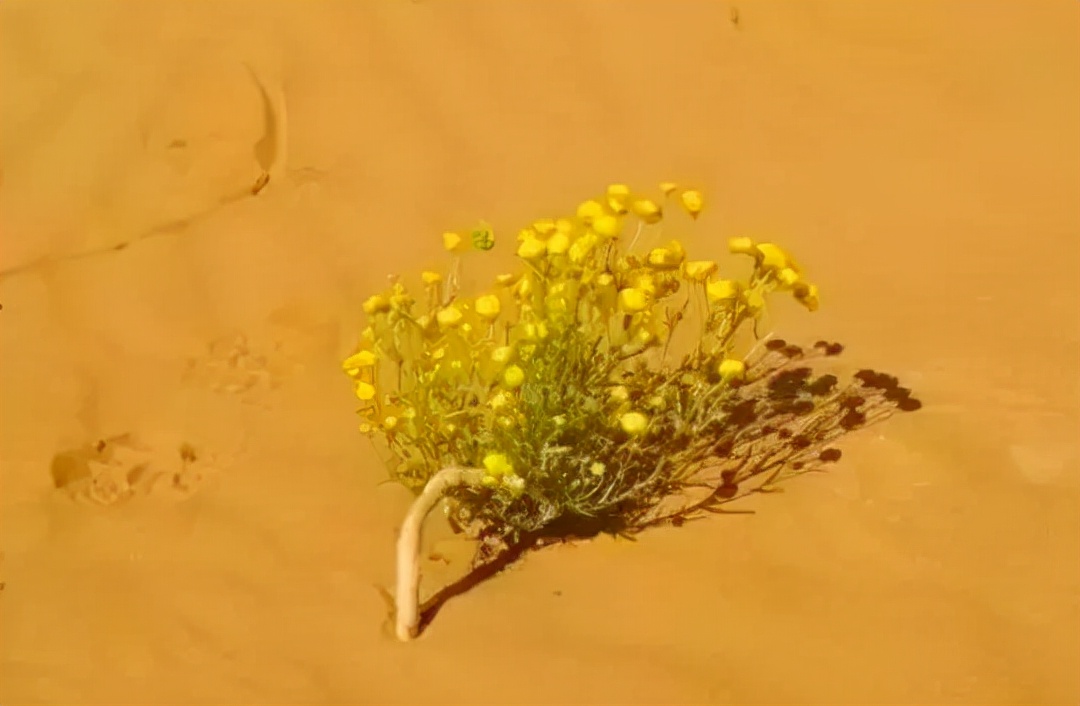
(531, 248)
(646, 210)
(788, 277)
(721, 290)
(692, 201)
(668, 187)
(452, 242)
(365, 390)
(590, 210)
(376, 304)
(633, 300)
(582, 248)
(497, 465)
(665, 258)
(633, 422)
(506, 280)
(699, 270)
(607, 226)
(731, 369)
(741, 246)
(450, 316)
(362, 359)
(513, 377)
(431, 277)
(558, 243)
(488, 306)
(773, 256)
(754, 301)
(499, 400)
(502, 354)
(544, 226)
(617, 196)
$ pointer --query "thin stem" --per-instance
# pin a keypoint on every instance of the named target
(408, 546)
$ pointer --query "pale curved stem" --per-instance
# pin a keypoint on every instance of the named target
(408, 546)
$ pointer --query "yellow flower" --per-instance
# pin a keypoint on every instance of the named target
(645, 282)
(699, 270)
(721, 290)
(731, 369)
(390, 422)
(502, 354)
(589, 211)
(452, 242)
(692, 201)
(450, 316)
(617, 194)
(506, 280)
(633, 422)
(607, 226)
(499, 400)
(597, 468)
(741, 246)
(633, 300)
(582, 248)
(531, 248)
(497, 465)
(619, 393)
(754, 301)
(558, 243)
(646, 210)
(535, 331)
(665, 258)
(513, 377)
(523, 288)
(773, 257)
(544, 226)
(788, 277)
(365, 390)
(430, 277)
(644, 336)
(356, 361)
(376, 304)
(488, 307)
(668, 187)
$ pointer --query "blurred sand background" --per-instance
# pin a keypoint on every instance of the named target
(922, 159)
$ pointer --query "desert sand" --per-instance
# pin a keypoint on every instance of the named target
(180, 334)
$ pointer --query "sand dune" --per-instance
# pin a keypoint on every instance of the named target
(179, 335)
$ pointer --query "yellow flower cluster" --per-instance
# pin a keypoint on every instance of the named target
(435, 381)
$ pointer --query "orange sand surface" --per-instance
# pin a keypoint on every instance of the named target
(922, 159)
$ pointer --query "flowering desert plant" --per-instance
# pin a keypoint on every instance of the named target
(599, 388)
